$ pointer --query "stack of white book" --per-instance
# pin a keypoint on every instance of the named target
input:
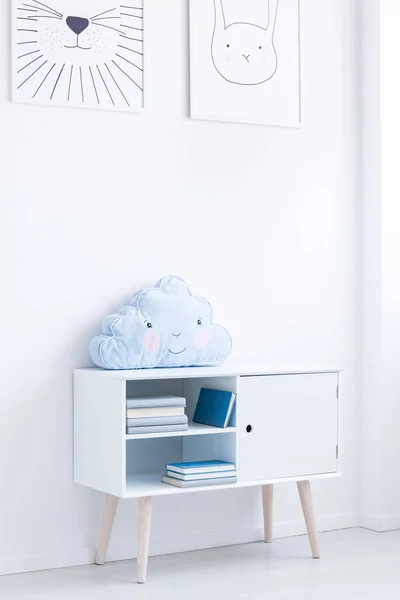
(155, 414)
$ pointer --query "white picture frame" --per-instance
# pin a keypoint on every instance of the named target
(245, 61)
(95, 60)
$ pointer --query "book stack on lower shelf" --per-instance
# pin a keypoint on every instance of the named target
(155, 414)
(200, 473)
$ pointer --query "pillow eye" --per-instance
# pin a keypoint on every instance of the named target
(199, 322)
(260, 47)
(149, 325)
(228, 45)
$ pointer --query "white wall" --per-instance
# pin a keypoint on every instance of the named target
(391, 250)
(371, 346)
(94, 205)
(381, 407)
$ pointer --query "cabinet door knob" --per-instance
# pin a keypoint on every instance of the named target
(249, 428)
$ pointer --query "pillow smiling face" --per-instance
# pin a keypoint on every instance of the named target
(163, 326)
(79, 53)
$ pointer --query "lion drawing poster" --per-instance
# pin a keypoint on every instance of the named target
(82, 54)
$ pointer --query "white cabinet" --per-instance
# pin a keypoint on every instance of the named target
(284, 428)
(287, 426)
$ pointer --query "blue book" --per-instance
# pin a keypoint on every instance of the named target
(214, 407)
(201, 466)
(201, 476)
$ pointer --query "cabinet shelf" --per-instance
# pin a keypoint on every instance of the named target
(194, 429)
(150, 484)
(285, 428)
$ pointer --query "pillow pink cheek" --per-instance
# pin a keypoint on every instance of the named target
(151, 342)
(201, 339)
(228, 58)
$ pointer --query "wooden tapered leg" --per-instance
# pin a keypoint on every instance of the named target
(307, 505)
(108, 520)
(144, 524)
(267, 497)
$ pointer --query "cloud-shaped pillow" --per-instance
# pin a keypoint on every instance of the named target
(164, 326)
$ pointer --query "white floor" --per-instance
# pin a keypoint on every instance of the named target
(356, 564)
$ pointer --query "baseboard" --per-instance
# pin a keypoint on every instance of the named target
(170, 545)
(380, 524)
(327, 523)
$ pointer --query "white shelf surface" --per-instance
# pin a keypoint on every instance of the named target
(194, 429)
(225, 370)
(150, 484)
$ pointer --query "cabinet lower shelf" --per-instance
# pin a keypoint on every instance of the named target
(150, 484)
(139, 485)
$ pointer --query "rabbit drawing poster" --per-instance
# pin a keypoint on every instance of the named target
(245, 61)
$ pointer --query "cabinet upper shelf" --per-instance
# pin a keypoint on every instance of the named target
(194, 429)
